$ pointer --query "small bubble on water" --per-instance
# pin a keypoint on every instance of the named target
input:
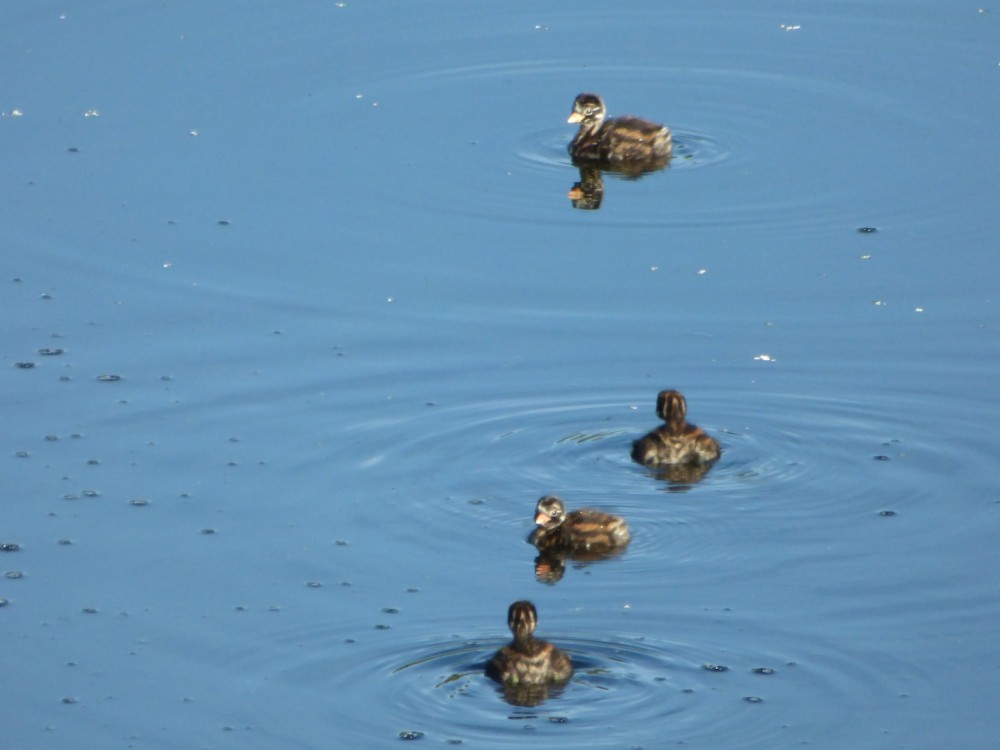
(3, 602)
(714, 668)
(9, 547)
(881, 457)
(559, 719)
(341, 543)
(752, 699)
(109, 378)
(89, 610)
(68, 700)
(208, 532)
(314, 584)
(14, 574)
(887, 513)
(50, 352)
(390, 611)
(24, 365)
(64, 542)
(762, 670)
(138, 501)
(409, 734)
(90, 493)
(867, 230)
(382, 627)
(22, 454)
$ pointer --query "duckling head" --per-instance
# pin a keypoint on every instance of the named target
(522, 617)
(550, 512)
(671, 407)
(588, 109)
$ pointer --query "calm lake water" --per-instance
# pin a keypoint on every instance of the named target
(300, 322)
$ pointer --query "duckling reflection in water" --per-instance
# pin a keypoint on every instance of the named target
(588, 193)
(527, 666)
(625, 144)
(676, 443)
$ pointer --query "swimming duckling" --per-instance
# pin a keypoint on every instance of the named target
(527, 660)
(628, 143)
(582, 531)
(676, 441)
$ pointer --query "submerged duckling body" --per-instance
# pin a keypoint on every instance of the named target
(676, 441)
(627, 143)
(527, 660)
(580, 531)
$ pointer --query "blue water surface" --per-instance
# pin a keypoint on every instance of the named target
(300, 322)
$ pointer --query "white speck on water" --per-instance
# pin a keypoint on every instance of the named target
(878, 303)
(790, 27)
(390, 300)
(866, 257)
(14, 113)
(765, 358)
(654, 268)
(193, 133)
(918, 309)
(702, 271)
(91, 113)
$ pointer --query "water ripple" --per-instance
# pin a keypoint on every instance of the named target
(627, 688)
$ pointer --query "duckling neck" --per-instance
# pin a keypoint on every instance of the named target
(524, 641)
(589, 127)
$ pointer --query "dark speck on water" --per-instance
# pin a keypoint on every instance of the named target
(715, 668)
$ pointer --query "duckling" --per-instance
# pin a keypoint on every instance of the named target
(527, 660)
(627, 143)
(582, 531)
(676, 441)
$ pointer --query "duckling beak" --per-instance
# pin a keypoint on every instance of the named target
(575, 117)
(541, 519)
